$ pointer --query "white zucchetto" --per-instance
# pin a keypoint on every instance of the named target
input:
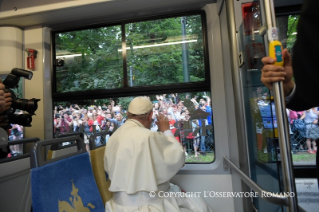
(140, 105)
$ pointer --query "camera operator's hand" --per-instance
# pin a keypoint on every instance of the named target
(6, 98)
(2, 97)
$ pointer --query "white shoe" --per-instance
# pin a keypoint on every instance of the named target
(265, 151)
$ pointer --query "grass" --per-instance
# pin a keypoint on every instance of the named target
(301, 156)
(263, 157)
(210, 157)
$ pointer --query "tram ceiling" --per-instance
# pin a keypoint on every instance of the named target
(38, 12)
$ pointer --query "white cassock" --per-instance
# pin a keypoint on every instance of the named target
(139, 161)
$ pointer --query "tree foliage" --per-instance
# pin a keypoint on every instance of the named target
(292, 31)
(100, 65)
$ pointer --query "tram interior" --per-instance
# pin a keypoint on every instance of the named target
(93, 57)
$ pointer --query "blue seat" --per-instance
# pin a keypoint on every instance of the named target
(64, 183)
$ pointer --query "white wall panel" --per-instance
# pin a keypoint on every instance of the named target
(10, 49)
(34, 88)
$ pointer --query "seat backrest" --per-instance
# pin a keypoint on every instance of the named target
(61, 149)
(97, 159)
(64, 183)
(15, 185)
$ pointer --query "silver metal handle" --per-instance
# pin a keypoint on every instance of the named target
(274, 198)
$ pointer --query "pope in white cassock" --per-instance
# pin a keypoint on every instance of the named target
(140, 164)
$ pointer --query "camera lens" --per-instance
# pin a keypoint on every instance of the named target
(23, 119)
(29, 105)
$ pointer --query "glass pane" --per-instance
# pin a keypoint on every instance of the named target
(165, 51)
(89, 59)
(189, 114)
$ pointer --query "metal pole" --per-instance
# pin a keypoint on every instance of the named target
(283, 128)
(184, 51)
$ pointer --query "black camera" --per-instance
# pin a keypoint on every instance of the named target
(29, 105)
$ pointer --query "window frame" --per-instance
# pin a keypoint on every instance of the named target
(126, 91)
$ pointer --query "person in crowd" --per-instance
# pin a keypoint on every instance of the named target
(56, 121)
(159, 157)
(97, 129)
(208, 121)
(297, 139)
(154, 127)
(118, 121)
(194, 138)
(156, 105)
(76, 125)
(102, 118)
(65, 123)
(176, 98)
(164, 111)
(293, 115)
(109, 126)
(87, 130)
(104, 107)
(171, 123)
(311, 118)
(182, 137)
(174, 113)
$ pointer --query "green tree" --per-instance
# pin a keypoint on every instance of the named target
(292, 31)
(163, 64)
(100, 65)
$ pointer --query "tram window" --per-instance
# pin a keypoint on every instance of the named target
(89, 59)
(163, 51)
(158, 52)
(161, 55)
(189, 114)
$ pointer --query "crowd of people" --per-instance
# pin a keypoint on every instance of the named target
(304, 129)
(109, 117)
